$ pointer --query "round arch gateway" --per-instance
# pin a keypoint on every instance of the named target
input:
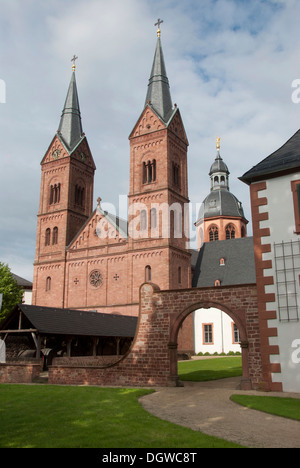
(239, 302)
(152, 359)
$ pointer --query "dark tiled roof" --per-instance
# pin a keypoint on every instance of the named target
(239, 265)
(22, 282)
(285, 158)
(221, 203)
(51, 320)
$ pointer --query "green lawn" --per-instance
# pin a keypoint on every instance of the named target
(210, 369)
(49, 416)
(285, 407)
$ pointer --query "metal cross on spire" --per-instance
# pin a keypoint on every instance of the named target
(73, 60)
(159, 21)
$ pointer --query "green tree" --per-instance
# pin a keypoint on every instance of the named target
(12, 292)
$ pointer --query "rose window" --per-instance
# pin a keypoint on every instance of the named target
(95, 278)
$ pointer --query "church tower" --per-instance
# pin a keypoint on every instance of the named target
(66, 197)
(158, 232)
(221, 216)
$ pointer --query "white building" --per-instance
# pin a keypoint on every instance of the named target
(215, 332)
(27, 288)
(275, 199)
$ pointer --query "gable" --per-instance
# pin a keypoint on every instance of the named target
(148, 122)
(176, 126)
(100, 230)
(83, 153)
(58, 151)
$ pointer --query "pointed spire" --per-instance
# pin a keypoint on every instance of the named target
(70, 127)
(158, 94)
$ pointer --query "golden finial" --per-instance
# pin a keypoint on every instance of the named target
(218, 143)
(159, 21)
(73, 60)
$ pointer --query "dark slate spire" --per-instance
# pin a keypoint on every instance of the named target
(158, 93)
(70, 128)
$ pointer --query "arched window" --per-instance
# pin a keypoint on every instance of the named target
(54, 194)
(217, 283)
(144, 173)
(222, 261)
(213, 234)
(230, 231)
(176, 174)
(178, 222)
(55, 236)
(154, 170)
(153, 219)
(79, 195)
(47, 237)
(149, 171)
(143, 223)
(48, 283)
(148, 273)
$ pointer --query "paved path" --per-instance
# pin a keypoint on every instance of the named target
(206, 407)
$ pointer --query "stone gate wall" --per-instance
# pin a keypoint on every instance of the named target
(152, 359)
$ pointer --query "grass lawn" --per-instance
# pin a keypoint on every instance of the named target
(285, 407)
(210, 369)
(49, 416)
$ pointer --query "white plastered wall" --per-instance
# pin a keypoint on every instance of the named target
(222, 332)
(281, 223)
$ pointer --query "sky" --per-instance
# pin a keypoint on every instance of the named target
(231, 64)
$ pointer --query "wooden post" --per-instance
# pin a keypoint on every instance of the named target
(38, 348)
(95, 344)
(69, 342)
(118, 346)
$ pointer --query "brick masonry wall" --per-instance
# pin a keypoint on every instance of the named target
(21, 372)
(152, 360)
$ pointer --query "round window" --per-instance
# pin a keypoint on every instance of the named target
(95, 278)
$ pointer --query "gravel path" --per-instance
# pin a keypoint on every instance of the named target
(206, 407)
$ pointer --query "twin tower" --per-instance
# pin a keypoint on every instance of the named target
(89, 259)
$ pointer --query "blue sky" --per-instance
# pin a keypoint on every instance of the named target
(230, 63)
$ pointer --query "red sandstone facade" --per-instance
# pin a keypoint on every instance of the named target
(84, 260)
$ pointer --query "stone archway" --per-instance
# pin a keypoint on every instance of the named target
(152, 359)
(239, 302)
